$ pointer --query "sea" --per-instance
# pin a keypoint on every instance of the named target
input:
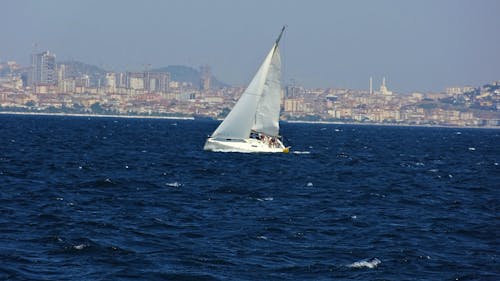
(88, 198)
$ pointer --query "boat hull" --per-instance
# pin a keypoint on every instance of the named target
(244, 146)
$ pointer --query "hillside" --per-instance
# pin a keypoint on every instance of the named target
(179, 73)
(77, 69)
(183, 73)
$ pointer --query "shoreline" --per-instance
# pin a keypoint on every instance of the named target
(394, 125)
(287, 121)
(95, 115)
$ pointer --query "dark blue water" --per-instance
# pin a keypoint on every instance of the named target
(138, 199)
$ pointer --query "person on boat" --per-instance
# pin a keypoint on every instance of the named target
(272, 142)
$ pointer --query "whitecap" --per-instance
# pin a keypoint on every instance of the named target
(434, 170)
(262, 237)
(80, 246)
(368, 263)
(377, 195)
(458, 133)
(309, 184)
(301, 152)
(472, 148)
(337, 130)
(265, 199)
(173, 184)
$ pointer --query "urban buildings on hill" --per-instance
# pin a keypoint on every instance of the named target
(46, 86)
(43, 69)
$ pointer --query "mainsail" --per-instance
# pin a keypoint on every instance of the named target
(259, 106)
(268, 108)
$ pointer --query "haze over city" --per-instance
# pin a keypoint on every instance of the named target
(417, 45)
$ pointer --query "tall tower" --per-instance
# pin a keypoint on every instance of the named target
(61, 73)
(206, 75)
(371, 86)
(43, 69)
(110, 82)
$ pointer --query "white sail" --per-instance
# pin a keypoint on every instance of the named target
(257, 110)
(268, 108)
(238, 123)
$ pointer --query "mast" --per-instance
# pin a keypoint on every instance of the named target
(281, 33)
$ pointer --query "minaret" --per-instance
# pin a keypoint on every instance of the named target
(371, 86)
(383, 88)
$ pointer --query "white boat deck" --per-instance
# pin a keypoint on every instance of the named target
(248, 145)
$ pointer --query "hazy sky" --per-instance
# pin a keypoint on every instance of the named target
(419, 45)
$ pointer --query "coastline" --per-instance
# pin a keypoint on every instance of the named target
(394, 125)
(287, 121)
(95, 115)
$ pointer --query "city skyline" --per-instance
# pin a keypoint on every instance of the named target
(419, 46)
(77, 88)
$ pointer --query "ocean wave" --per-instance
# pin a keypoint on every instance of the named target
(265, 199)
(180, 213)
(367, 263)
(173, 184)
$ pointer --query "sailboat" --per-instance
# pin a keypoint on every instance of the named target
(253, 123)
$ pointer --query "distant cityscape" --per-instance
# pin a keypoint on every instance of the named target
(48, 86)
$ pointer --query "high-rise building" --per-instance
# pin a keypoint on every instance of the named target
(371, 86)
(43, 69)
(110, 82)
(61, 77)
(121, 80)
(135, 80)
(292, 91)
(157, 81)
(84, 81)
(61, 73)
(206, 75)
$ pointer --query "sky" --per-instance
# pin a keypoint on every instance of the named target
(418, 45)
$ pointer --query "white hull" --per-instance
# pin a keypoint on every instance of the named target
(244, 145)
